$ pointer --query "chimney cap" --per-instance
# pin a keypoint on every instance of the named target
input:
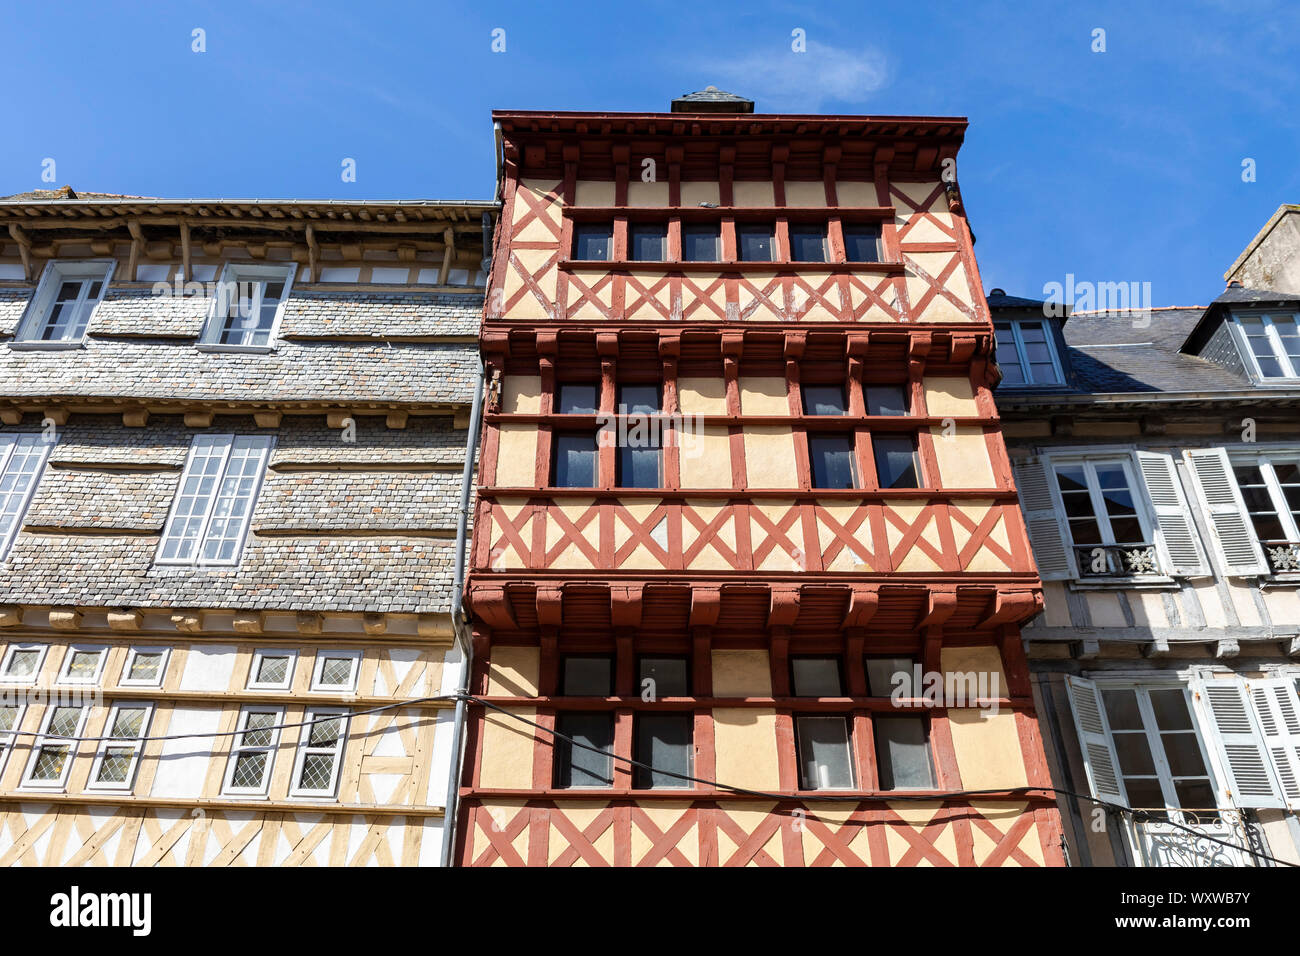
(712, 100)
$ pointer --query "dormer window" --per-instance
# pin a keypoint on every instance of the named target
(249, 304)
(1273, 344)
(1027, 354)
(64, 300)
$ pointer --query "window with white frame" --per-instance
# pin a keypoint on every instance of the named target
(116, 759)
(248, 306)
(51, 757)
(253, 751)
(1027, 354)
(11, 718)
(215, 500)
(1250, 497)
(82, 665)
(1272, 343)
(271, 669)
(145, 666)
(336, 670)
(60, 311)
(320, 752)
(22, 663)
(22, 458)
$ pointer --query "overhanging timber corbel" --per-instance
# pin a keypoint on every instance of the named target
(24, 248)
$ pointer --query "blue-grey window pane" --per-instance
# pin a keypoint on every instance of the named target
(816, 677)
(665, 742)
(575, 461)
(886, 400)
(577, 766)
(807, 243)
(577, 399)
(895, 461)
(823, 400)
(639, 467)
(648, 242)
(862, 243)
(638, 399)
(588, 676)
(593, 241)
(825, 761)
(755, 243)
(882, 677)
(903, 753)
(832, 461)
(700, 243)
(671, 676)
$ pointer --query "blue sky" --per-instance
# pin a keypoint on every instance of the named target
(1123, 165)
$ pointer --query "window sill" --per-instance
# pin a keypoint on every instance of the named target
(251, 349)
(624, 265)
(1289, 579)
(19, 345)
(1154, 582)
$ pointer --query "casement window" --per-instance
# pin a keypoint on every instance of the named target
(11, 718)
(887, 675)
(320, 752)
(577, 398)
(82, 665)
(807, 242)
(574, 460)
(903, 757)
(665, 742)
(701, 242)
(816, 676)
(1109, 516)
(663, 677)
(896, 464)
(252, 752)
(51, 756)
(755, 241)
(1251, 502)
(861, 243)
(214, 504)
(336, 671)
(823, 400)
(583, 675)
(271, 669)
(822, 741)
(639, 463)
(647, 242)
(145, 667)
(65, 299)
(1027, 354)
(885, 399)
(22, 663)
(116, 760)
(22, 459)
(248, 306)
(593, 241)
(1272, 344)
(831, 457)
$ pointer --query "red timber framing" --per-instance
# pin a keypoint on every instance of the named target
(744, 563)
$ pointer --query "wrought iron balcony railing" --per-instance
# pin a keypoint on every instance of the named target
(1117, 560)
(1283, 556)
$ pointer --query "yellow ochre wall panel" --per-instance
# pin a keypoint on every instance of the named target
(745, 747)
(741, 674)
(517, 456)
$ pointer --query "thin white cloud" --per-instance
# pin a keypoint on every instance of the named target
(802, 82)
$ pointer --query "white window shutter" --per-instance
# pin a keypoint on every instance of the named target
(1099, 757)
(1278, 709)
(1228, 712)
(1176, 536)
(1234, 537)
(1052, 550)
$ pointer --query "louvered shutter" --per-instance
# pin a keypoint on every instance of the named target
(1095, 741)
(1051, 542)
(1177, 540)
(1278, 709)
(1234, 538)
(1229, 714)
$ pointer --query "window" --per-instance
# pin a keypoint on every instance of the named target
(1100, 502)
(1270, 491)
(700, 243)
(831, 457)
(145, 667)
(664, 741)
(249, 303)
(576, 766)
(593, 241)
(22, 457)
(861, 243)
(664, 677)
(82, 665)
(640, 463)
(1026, 354)
(903, 758)
(249, 768)
(807, 242)
(1273, 344)
(825, 756)
(647, 242)
(271, 669)
(587, 676)
(218, 490)
(578, 398)
(823, 400)
(61, 309)
(22, 663)
(887, 675)
(11, 718)
(336, 670)
(755, 241)
(51, 757)
(116, 760)
(816, 677)
(575, 460)
(320, 752)
(885, 399)
(895, 461)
